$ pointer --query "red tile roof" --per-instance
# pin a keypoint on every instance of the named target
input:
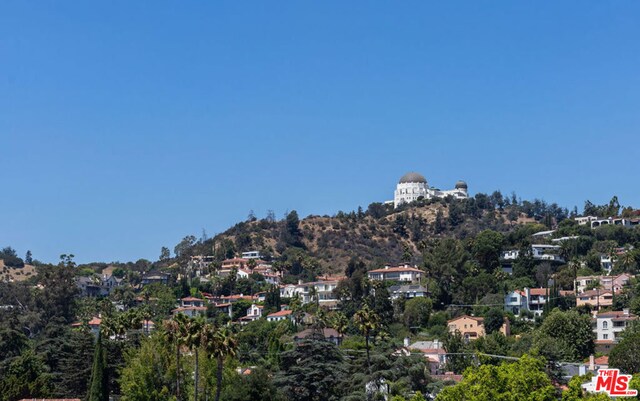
(538, 291)
(396, 270)
(280, 313)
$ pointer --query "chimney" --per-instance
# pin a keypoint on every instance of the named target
(592, 363)
(406, 341)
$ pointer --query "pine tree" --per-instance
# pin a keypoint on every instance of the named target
(98, 390)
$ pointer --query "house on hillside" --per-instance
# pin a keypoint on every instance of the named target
(279, 316)
(329, 334)
(155, 277)
(253, 313)
(407, 291)
(472, 328)
(529, 299)
(609, 326)
(405, 273)
(596, 299)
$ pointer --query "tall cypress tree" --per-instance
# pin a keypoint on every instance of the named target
(99, 391)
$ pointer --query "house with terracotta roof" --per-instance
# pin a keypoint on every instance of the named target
(190, 311)
(596, 299)
(398, 273)
(94, 325)
(472, 328)
(280, 315)
(191, 301)
(610, 283)
(253, 313)
(529, 299)
(608, 327)
(593, 365)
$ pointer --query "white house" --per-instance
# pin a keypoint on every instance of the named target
(253, 313)
(413, 186)
(320, 291)
(398, 273)
(529, 299)
(280, 315)
(608, 327)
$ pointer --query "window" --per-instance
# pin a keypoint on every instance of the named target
(514, 299)
(605, 336)
(605, 325)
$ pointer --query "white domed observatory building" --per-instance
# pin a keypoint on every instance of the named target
(413, 186)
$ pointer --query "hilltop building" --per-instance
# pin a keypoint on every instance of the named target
(413, 186)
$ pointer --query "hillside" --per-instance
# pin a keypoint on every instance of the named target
(8, 273)
(378, 235)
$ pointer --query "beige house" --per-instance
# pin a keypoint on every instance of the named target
(472, 327)
(597, 299)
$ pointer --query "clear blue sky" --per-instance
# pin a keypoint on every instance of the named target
(125, 126)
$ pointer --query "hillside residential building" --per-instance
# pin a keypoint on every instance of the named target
(278, 316)
(615, 283)
(472, 328)
(615, 221)
(596, 299)
(329, 334)
(529, 299)
(543, 252)
(253, 313)
(608, 327)
(155, 278)
(251, 255)
(434, 352)
(413, 186)
(98, 286)
(407, 291)
(191, 301)
(398, 273)
(190, 311)
(320, 291)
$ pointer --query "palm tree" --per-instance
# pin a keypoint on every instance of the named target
(367, 321)
(174, 329)
(340, 323)
(193, 340)
(628, 259)
(219, 343)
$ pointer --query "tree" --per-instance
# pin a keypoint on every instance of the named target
(10, 257)
(521, 380)
(291, 234)
(368, 321)
(456, 346)
(486, 249)
(445, 260)
(98, 390)
(272, 300)
(493, 320)
(28, 258)
(565, 336)
(165, 254)
(193, 337)
(417, 311)
(312, 371)
(24, 377)
(150, 372)
(60, 289)
(626, 354)
(219, 344)
(174, 330)
(340, 323)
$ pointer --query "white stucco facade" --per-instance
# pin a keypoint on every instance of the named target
(413, 186)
